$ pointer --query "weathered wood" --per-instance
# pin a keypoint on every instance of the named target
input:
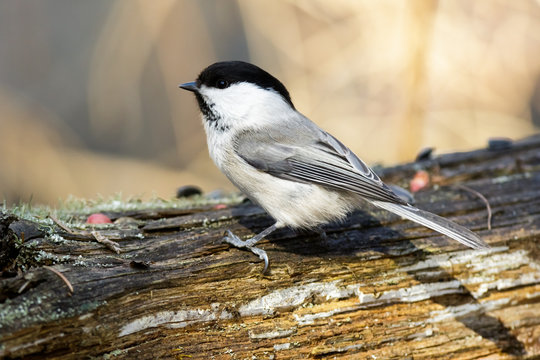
(376, 287)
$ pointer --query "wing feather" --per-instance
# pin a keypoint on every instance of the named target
(323, 161)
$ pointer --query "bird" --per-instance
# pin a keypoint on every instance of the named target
(301, 175)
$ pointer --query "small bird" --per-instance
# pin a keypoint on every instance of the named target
(300, 174)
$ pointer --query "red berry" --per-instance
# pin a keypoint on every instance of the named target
(98, 219)
(419, 181)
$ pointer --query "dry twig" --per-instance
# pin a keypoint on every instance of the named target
(112, 245)
(61, 224)
(483, 198)
(61, 276)
(21, 289)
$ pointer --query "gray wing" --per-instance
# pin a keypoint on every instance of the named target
(316, 157)
(312, 156)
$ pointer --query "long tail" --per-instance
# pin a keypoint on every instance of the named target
(435, 222)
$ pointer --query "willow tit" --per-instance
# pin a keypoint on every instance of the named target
(300, 174)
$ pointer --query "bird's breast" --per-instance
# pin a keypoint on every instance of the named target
(290, 203)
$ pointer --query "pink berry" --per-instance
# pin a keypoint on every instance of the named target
(98, 219)
(419, 181)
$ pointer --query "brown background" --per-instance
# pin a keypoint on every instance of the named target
(89, 102)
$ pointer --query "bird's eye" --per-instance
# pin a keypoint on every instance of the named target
(222, 84)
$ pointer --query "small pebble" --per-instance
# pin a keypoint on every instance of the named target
(125, 220)
(187, 191)
(499, 143)
(126, 223)
(216, 194)
(425, 154)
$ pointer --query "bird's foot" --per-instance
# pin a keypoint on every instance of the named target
(235, 241)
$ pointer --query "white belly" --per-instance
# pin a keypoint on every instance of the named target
(292, 204)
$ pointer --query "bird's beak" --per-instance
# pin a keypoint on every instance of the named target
(190, 86)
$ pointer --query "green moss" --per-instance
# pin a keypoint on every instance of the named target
(39, 307)
(74, 211)
(72, 207)
(117, 204)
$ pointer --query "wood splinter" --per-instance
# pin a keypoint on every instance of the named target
(109, 244)
(61, 276)
(481, 197)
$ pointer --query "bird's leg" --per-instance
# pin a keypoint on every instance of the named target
(248, 244)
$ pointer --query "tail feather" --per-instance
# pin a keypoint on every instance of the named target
(435, 222)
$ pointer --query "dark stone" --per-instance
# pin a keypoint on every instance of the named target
(187, 191)
(499, 143)
(424, 154)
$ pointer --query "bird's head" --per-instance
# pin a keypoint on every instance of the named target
(239, 94)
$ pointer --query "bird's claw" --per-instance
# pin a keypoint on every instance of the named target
(235, 241)
(262, 255)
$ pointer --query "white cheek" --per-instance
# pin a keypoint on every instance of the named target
(244, 105)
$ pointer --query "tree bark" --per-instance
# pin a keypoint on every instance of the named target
(376, 287)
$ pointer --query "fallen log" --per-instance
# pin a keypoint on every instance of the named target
(376, 286)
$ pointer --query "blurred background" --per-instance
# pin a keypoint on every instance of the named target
(89, 103)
